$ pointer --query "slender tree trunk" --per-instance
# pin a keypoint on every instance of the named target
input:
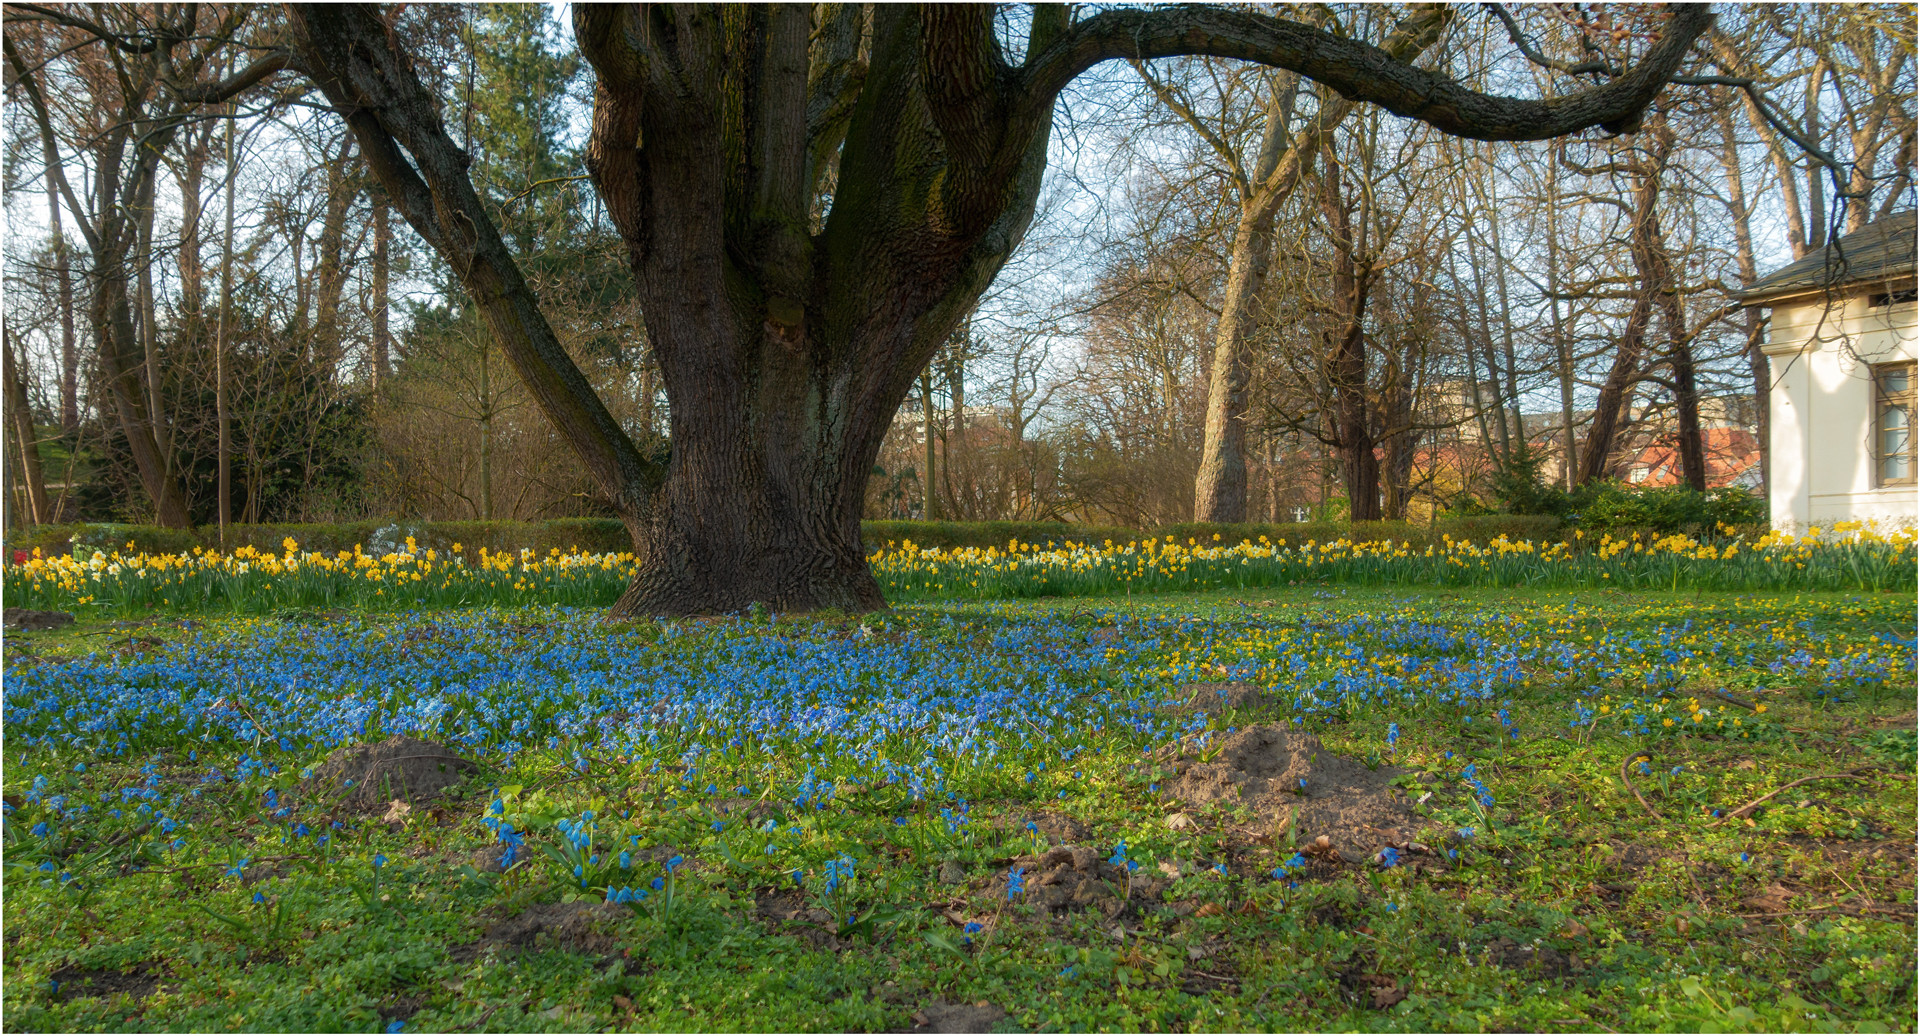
(330, 274)
(382, 342)
(1759, 371)
(1562, 347)
(1220, 488)
(1648, 259)
(191, 174)
(69, 344)
(1348, 348)
(222, 415)
(147, 313)
(929, 504)
(1686, 401)
(1501, 429)
(25, 438)
(1511, 395)
(486, 434)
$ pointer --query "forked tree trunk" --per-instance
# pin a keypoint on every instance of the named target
(786, 347)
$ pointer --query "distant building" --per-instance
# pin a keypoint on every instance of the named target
(1841, 342)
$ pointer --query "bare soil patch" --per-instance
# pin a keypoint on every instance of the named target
(940, 1016)
(582, 927)
(1286, 776)
(138, 982)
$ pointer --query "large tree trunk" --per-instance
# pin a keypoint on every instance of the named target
(786, 349)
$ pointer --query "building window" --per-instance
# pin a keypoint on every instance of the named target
(1893, 426)
(1884, 299)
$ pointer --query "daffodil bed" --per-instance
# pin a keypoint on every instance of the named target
(815, 823)
(1849, 556)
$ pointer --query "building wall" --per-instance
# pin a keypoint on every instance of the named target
(1822, 410)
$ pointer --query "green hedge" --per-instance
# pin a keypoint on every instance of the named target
(989, 534)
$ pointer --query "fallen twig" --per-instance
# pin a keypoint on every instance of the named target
(1851, 775)
(1742, 702)
(1838, 908)
(1627, 779)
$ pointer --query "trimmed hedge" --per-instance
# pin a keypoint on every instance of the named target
(989, 534)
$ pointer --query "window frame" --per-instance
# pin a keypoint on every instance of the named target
(1882, 401)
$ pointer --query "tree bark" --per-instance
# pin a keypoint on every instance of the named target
(330, 274)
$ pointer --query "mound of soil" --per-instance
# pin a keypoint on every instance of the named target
(1072, 877)
(1054, 827)
(401, 767)
(1280, 773)
(27, 619)
(1215, 698)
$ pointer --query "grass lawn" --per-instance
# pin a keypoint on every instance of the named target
(854, 822)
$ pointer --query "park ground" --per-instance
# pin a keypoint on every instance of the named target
(857, 823)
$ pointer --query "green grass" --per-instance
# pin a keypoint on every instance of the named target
(1801, 920)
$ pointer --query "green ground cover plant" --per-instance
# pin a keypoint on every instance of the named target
(821, 822)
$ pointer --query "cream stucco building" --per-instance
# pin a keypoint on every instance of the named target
(1841, 342)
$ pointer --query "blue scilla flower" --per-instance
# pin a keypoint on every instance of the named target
(1016, 882)
(379, 860)
(396, 1025)
(674, 864)
(626, 860)
(40, 829)
(1389, 857)
(658, 884)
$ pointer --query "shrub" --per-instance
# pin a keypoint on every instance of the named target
(988, 534)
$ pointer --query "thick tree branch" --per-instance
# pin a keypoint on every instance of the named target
(1360, 71)
(356, 62)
